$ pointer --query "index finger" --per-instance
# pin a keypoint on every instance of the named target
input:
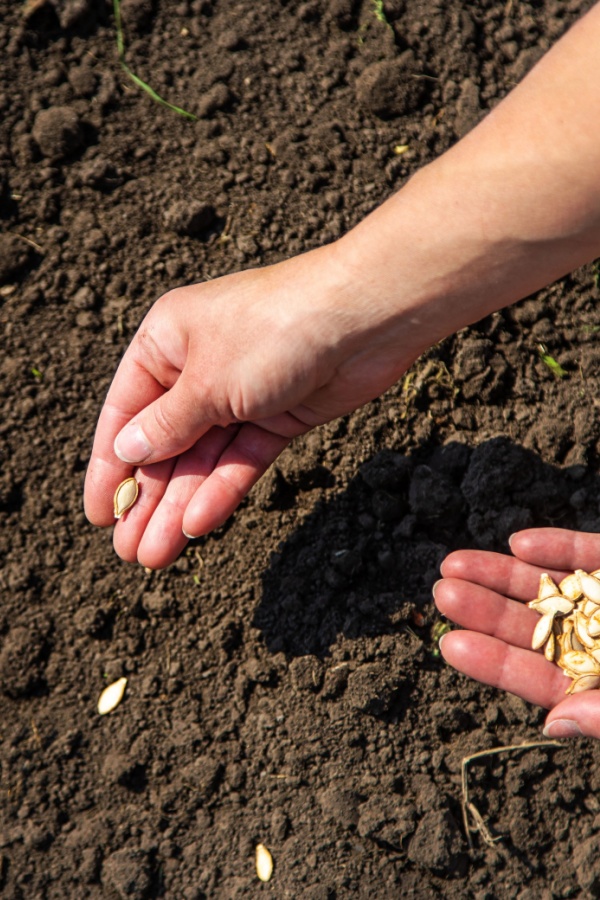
(558, 547)
(494, 662)
(504, 574)
(133, 388)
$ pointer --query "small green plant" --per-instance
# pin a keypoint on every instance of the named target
(438, 630)
(380, 15)
(549, 361)
(380, 12)
(135, 78)
(596, 273)
(36, 373)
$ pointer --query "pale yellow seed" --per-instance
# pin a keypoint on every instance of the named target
(589, 585)
(594, 624)
(550, 648)
(556, 605)
(111, 696)
(585, 683)
(264, 863)
(588, 608)
(125, 496)
(547, 588)
(578, 663)
(570, 587)
(582, 631)
(542, 631)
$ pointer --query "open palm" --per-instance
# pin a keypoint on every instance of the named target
(486, 593)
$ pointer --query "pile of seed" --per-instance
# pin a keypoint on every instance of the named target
(569, 628)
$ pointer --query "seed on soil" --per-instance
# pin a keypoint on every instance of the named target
(111, 696)
(569, 628)
(264, 863)
(126, 495)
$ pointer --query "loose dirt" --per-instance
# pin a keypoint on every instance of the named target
(284, 683)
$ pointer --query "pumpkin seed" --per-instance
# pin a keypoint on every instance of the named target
(570, 587)
(126, 495)
(111, 696)
(589, 585)
(556, 605)
(547, 588)
(264, 863)
(542, 631)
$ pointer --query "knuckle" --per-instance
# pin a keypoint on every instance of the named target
(166, 423)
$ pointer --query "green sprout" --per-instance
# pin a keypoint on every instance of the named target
(552, 364)
(596, 273)
(135, 78)
(36, 373)
(438, 630)
(379, 12)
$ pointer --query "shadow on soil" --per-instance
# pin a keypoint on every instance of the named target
(364, 563)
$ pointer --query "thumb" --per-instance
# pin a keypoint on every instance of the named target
(576, 716)
(166, 427)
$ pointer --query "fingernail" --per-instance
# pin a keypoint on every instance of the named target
(190, 537)
(435, 586)
(441, 639)
(510, 539)
(131, 445)
(562, 728)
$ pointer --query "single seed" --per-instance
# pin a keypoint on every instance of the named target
(589, 585)
(577, 662)
(556, 605)
(582, 631)
(264, 863)
(550, 648)
(584, 683)
(111, 696)
(542, 631)
(594, 624)
(125, 496)
(547, 588)
(570, 587)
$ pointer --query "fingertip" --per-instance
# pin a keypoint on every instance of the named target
(441, 640)
(577, 715)
(562, 728)
(131, 445)
(455, 565)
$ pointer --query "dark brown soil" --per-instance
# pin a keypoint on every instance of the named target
(284, 681)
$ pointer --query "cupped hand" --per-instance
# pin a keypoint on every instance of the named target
(217, 381)
(486, 593)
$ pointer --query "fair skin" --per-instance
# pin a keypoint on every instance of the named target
(222, 376)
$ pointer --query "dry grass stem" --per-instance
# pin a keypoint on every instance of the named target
(469, 808)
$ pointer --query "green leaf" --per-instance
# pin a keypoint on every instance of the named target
(135, 78)
(552, 364)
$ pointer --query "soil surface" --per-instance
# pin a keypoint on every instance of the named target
(284, 682)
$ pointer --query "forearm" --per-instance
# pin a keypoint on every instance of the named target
(512, 207)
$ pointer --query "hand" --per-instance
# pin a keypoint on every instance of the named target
(486, 594)
(217, 381)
